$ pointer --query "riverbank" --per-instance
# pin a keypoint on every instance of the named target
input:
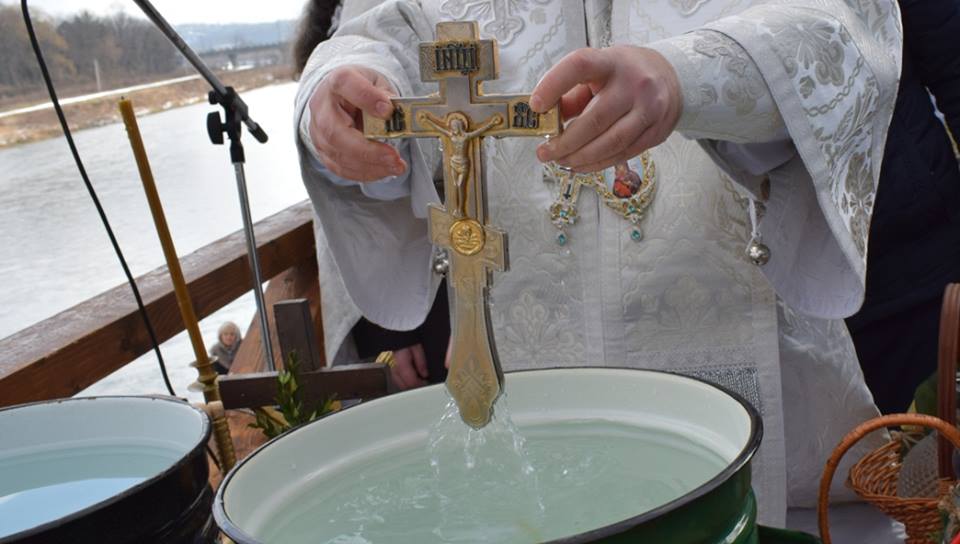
(33, 125)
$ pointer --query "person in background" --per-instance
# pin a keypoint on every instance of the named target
(914, 249)
(228, 342)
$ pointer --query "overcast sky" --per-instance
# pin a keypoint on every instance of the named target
(183, 11)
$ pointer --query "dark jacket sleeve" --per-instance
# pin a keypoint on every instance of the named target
(931, 30)
(372, 339)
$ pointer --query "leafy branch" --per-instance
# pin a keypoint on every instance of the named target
(290, 411)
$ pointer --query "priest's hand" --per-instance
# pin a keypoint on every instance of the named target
(624, 100)
(336, 124)
(409, 369)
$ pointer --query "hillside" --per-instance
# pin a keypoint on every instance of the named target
(205, 37)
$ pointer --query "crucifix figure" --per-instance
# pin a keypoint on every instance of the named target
(461, 116)
(456, 137)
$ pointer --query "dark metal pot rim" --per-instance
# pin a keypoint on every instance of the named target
(739, 462)
(106, 503)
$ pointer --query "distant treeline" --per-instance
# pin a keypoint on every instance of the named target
(123, 47)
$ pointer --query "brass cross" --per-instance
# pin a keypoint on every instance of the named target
(461, 116)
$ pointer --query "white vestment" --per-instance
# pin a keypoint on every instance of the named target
(798, 93)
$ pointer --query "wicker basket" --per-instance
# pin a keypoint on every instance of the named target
(874, 477)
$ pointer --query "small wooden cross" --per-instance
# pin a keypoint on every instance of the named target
(461, 116)
(295, 333)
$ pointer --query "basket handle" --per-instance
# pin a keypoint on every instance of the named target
(946, 430)
(949, 352)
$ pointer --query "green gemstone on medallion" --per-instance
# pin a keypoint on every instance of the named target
(636, 235)
(562, 239)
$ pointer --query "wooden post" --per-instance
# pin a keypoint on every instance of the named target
(294, 327)
(299, 281)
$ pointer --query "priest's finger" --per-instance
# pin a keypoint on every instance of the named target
(612, 143)
(420, 361)
(356, 86)
(325, 120)
(403, 372)
(650, 138)
(374, 171)
(382, 82)
(334, 159)
(355, 147)
(630, 152)
(348, 147)
(573, 103)
(345, 169)
(399, 369)
(582, 66)
(603, 111)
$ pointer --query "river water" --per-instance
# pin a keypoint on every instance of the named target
(57, 254)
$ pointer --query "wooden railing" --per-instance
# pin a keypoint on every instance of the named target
(72, 350)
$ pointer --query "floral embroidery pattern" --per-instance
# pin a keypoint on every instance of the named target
(502, 19)
(812, 43)
(688, 7)
(531, 329)
(857, 199)
(840, 92)
(744, 86)
(731, 98)
(542, 42)
(819, 55)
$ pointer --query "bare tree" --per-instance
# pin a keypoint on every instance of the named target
(144, 49)
(90, 37)
(18, 70)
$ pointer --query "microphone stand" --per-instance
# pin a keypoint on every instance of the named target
(235, 115)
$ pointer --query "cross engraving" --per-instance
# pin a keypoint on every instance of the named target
(461, 116)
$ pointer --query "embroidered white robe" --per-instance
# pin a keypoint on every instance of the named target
(803, 89)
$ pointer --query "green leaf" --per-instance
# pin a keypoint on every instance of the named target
(289, 402)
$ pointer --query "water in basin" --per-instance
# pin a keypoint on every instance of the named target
(556, 480)
(41, 485)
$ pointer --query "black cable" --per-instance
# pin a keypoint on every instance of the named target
(216, 461)
(93, 194)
